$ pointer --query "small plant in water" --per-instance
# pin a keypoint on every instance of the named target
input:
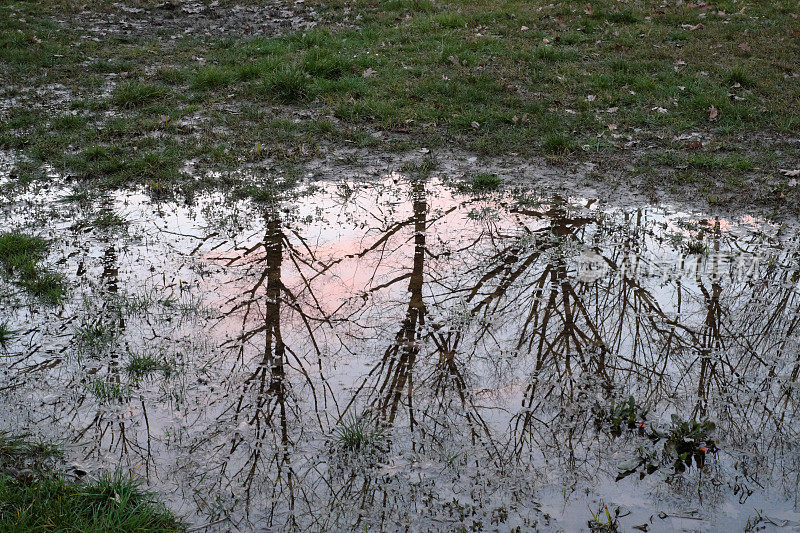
(141, 366)
(19, 451)
(696, 247)
(628, 414)
(689, 440)
(603, 521)
(106, 391)
(21, 256)
(6, 336)
(357, 432)
(482, 182)
(95, 336)
(108, 219)
(685, 442)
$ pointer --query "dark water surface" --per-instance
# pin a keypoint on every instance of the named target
(398, 353)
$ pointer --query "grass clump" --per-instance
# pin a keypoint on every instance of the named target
(106, 219)
(108, 503)
(558, 144)
(695, 247)
(33, 499)
(729, 162)
(739, 75)
(6, 335)
(138, 94)
(107, 391)
(481, 182)
(287, 85)
(357, 433)
(142, 366)
(21, 256)
(212, 78)
(95, 336)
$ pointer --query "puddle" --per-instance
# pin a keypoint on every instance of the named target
(396, 352)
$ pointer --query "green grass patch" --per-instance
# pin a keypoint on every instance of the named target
(212, 78)
(21, 257)
(108, 391)
(434, 74)
(355, 433)
(95, 336)
(6, 335)
(481, 182)
(108, 503)
(145, 365)
(137, 94)
(559, 144)
(727, 162)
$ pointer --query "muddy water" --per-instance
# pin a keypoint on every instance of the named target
(376, 355)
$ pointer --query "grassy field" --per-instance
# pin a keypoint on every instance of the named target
(704, 96)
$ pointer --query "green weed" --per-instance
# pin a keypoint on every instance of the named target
(21, 256)
(6, 335)
(357, 433)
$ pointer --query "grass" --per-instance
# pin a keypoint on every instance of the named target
(481, 182)
(107, 391)
(106, 219)
(497, 78)
(137, 94)
(107, 503)
(558, 144)
(6, 335)
(144, 365)
(21, 258)
(355, 433)
(95, 336)
(19, 451)
(603, 521)
(35, 499)
(696, 247)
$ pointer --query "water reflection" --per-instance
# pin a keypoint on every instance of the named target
(474, 339)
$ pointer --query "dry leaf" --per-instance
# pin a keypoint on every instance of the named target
(790, 173)
(744, 47)
(612, 127)
(695, 145)
(545, 41)
(524, 28)
(588, 9)
(369, 73)
(476, 125)
(713, 113)
(454, 60)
